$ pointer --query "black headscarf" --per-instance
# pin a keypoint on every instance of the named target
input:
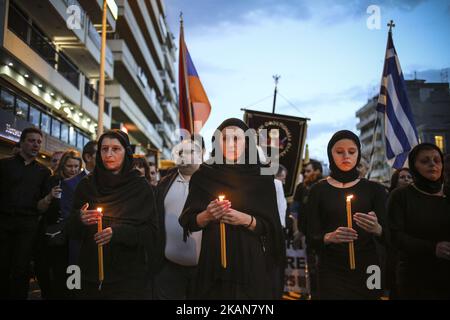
(128, 208)
(420, 181)
(336, 173)
(249, 160)
(249, 192)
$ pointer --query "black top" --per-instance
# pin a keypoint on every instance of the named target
(251, 255)
(129, 208)
(21, 186)
(418, 222)
(53, 214)
(327, 211)
(133, 219)
(301, 198)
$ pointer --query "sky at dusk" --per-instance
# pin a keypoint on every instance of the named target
(330, 62)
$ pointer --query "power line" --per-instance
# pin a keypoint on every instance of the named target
(257, 102)
(292, 105)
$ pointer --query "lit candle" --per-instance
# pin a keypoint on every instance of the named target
(223, 241)
(351, 247)
(100, 251)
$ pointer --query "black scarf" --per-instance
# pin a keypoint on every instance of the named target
(336, 173)
(120, 195)
(249, 192)
(420, 181)
(249, 160)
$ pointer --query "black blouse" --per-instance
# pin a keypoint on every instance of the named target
(418, 222)
(327, 211)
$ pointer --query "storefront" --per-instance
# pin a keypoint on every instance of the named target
(19, 111)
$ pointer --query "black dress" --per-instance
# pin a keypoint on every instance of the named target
(254, 257)
(326, 212)
(418, 222)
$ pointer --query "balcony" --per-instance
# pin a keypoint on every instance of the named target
(169, 112)
(36, 40)
(94, 9)
(128, 28)
(367, 120)
(128, 71)
(147, 27)
(80, 41)
(92, 94)
(125, 110)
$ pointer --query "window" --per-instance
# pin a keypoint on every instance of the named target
(7, 100)
(56, 128)
(72, 136)
(21, 109)
(439, 141)
(45, 123)
(35, 116)
(64, 132)
(80, 142)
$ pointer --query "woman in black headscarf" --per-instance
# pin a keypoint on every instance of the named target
(419, 218)
(254, 241)
(328, 232)
(129, 223)
(400, 178)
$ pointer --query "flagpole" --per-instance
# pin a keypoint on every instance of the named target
(276, 78)
(391, 24)
(186, 83)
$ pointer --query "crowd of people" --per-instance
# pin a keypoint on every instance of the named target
(175, 238)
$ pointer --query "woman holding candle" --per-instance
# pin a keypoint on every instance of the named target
(129, 222)
(251, 235)
(419, 218)
(346, 217)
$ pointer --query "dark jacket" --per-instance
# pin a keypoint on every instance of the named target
(161, 191)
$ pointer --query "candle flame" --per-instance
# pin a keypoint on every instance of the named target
(350, 197)
(99, 209)
(221, 197)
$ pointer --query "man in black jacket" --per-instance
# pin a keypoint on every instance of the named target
(22, 185)
(177, 259)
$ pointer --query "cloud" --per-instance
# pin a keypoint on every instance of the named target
(213, 12)
(329, 112)
(207, 13)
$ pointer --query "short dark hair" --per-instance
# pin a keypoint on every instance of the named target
(281, 168)
(198, 137)
(140, 162)
(89, 148)
(29, 130)
(316, 165)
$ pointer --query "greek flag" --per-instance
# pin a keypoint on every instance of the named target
(399, 130)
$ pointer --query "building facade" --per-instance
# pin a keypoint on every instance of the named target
(430, 104)
(49, 72)
(143, 91)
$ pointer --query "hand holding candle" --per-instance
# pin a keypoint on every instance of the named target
(101, 275)
(223, 241)
(351, 248)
